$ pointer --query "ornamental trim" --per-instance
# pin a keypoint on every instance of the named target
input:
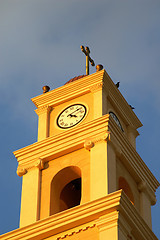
(76, 231)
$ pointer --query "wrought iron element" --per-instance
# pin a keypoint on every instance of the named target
(86, 51)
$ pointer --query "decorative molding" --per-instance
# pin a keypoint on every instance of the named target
(40, 164)
(48, 148)
(119, 102)
(69, 91)
(153, 199)
(53, 147)
(143, 187)
(96, 87)
(132, 129)
(132, 159)
(88, 144)
(104, 137)
(21, 171)
(87, 213)
(43, 109)
(124, 226)
(76, 231)
(107, 221)
(85, 85)
(35, 164)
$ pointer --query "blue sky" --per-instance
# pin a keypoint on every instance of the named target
(40, 45)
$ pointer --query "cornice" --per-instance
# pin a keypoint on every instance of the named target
(143, 187)
(98, 213)
(91, 83)
(57, 224)
(43, 109)
(36, 164)
(87, 135)
(131, 158)
(21, 171)
(96, 87)
(107, 221)
(53, 147)
(76, 231)
(120, 104)
(69, 91)
(133, 218)
(90, 143)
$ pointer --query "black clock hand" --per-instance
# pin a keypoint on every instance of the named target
(71, 115)
(73, 112)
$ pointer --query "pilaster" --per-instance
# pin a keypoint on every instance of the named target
(111, 168)
(108, 226)
(147, 198)
(30, 197)
(43, 122)
(132, 134)
(99, 100)
(98, 165)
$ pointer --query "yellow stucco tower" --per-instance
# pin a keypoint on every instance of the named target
(83, 178)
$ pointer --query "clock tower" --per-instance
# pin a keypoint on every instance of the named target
(83, 178)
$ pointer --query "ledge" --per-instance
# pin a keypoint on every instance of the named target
(131, 159)
(74, 139)
(63, 143)
(68, 91)
(114, 207)
(85, 85)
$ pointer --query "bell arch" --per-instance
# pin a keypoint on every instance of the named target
(65, 189)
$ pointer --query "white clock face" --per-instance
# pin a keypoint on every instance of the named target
(71, 116)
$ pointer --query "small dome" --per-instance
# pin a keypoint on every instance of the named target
(75, 78)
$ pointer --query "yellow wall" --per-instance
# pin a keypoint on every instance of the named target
(86, 100)
(80, 159)
(92, 150)
(123, 172)
(87, 232)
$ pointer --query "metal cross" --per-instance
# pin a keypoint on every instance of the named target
(88, 59)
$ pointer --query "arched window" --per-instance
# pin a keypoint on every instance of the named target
(70, 195)
(65, 189)
(123, 184)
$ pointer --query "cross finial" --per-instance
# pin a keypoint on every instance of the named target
(88, 58)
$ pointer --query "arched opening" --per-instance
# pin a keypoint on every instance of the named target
(123, 184)
(65, 189)
(70, 195)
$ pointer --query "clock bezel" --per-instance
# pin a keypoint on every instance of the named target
(65, 110)
(116, 120)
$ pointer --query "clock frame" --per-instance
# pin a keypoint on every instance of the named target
(116, 120)
(71, 116)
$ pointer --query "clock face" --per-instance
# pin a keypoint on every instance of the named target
(71, 116)
(116, 120)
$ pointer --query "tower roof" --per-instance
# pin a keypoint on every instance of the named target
(75, 78)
